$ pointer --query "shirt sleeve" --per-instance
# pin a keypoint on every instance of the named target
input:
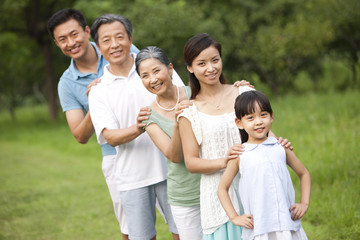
(101, 115)
(191, 114)
(134, 49)
(67, 98)
(177, 80)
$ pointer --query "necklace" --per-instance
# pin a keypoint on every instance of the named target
(219, 103)
(168, 109)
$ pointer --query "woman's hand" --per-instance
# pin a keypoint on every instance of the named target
(93, 83)
(232, 153)
(299, 210)
(181, 106)
(285, 143)
(142, 116)
(242, 83)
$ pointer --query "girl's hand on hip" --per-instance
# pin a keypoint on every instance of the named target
(299, 210)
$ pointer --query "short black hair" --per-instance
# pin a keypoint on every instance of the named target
(63, 16)
(109, 18)
(245, 104)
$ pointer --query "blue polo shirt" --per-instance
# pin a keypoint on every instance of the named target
(73, 85)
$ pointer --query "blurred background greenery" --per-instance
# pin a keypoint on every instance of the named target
(281, 45)
(303, 54)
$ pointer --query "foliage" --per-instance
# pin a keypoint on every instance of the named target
(267, 41)
(54, 189)
(274, 44)
(28, 19)
(346, 18)
(18, 77)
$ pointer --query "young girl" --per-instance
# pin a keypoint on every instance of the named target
(265, 186)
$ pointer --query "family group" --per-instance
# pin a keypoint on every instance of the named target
(204, 155)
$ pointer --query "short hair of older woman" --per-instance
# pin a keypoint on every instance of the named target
(151, 52)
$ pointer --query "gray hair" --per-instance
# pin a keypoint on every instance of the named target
(109, 18)
(152, 52)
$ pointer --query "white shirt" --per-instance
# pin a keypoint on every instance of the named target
(115, 104)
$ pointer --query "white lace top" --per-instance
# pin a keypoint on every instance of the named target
(215, 134)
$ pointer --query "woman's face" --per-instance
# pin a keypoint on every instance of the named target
(207, 66)
(155, 75)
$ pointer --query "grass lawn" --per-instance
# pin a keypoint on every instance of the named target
(51, 187)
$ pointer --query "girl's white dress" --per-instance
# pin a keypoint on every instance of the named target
(266, 192)
(215, 134)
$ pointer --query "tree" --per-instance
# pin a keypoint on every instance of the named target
(28, 19)
(163, 23)
(345, 21)
(16, 71)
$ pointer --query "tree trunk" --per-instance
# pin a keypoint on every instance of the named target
(50, 83)
(353, 70)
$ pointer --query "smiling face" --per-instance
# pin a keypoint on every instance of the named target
(114, 42)
(207, 66)
(155, 75)
(72, 39)
(256, 124)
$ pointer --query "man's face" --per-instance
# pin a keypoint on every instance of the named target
(114, 43)
(72, 39)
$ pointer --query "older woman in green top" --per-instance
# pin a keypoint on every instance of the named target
(183, 187)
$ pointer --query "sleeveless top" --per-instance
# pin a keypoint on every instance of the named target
(183, 187)
(266, 189)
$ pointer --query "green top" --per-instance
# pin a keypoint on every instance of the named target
(183, 187)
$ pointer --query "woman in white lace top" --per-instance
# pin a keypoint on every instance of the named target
(208, 130)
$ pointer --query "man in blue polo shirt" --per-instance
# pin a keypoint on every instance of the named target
(71, 34)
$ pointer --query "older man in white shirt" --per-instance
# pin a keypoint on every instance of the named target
(140, 169)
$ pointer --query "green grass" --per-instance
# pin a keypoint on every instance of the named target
(51, 187)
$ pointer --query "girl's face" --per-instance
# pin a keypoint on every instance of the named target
(155, 75)
(257, 125)
(207, 66)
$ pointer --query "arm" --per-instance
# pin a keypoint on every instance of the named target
(105, 122)
(170, 147)
(190, 147)
(80, 125)
(232, 169)
(305, 185)
(120, 136)
(124, 135)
